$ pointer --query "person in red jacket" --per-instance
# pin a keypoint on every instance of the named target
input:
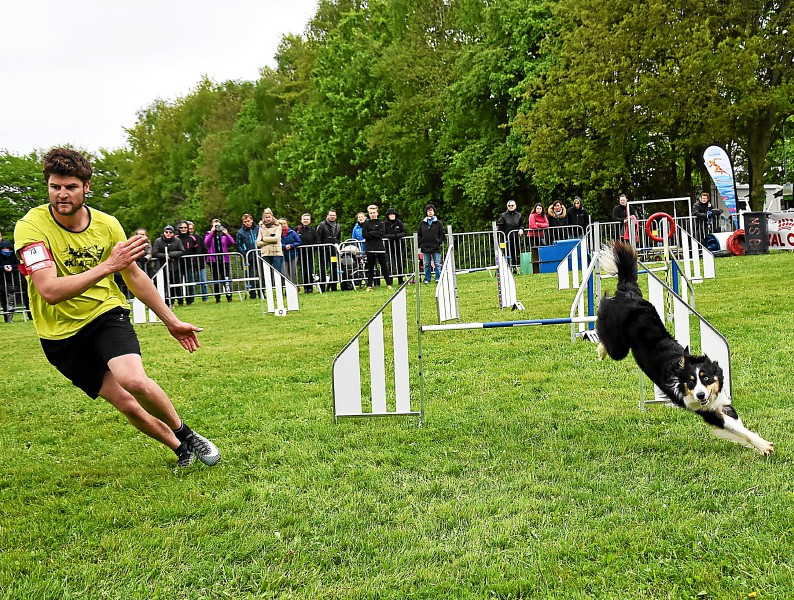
(537, 223)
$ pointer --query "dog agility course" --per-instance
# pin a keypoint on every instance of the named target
(670, 302)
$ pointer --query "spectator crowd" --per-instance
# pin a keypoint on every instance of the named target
(197, 264)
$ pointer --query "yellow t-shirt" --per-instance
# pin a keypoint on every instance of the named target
(72, 253)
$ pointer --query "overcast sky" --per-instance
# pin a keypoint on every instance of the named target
(76, 72)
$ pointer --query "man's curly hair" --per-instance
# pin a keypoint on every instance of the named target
(66, 163)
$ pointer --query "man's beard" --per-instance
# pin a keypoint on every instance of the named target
(71, 207)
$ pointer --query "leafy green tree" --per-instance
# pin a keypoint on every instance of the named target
(496, 53)
(110, 186)
(413, 70)
(249, 172)
(175, 148)
(780, 159)
(636, 92)
(22, 185)
(327, 155)
(21, 188)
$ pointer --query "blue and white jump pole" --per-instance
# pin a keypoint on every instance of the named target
(497, 324)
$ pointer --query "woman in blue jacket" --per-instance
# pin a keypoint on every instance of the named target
(358, 232)
(289, 246)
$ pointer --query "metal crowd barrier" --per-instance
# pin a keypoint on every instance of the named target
(322, 267)
(209, 275)
(474, 250)
(13, 295)
(325, 267)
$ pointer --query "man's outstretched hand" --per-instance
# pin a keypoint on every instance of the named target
(185, 333)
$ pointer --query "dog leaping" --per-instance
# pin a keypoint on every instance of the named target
(627, 322)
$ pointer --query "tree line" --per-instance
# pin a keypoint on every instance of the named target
(463, 104)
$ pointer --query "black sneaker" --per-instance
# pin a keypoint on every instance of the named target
(185, 459)
(204, 449)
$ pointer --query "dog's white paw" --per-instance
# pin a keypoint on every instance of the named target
(602, 351)
(764, 447)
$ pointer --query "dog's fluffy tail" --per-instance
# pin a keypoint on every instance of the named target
(621, 259)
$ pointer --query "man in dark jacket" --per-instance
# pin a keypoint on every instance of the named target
(308, 236)
(702, 211)
(621, 212)
(246, 242)
(329, 232)
(508, 222)
(374, 232)
(395, 246)
(186, 272)
(167, 249)
(431, 235)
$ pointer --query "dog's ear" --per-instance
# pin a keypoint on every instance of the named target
(682, 362)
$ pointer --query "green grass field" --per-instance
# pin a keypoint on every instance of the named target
(534, 476)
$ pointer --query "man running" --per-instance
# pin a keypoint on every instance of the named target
(69, 254)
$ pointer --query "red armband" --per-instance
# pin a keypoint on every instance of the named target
(34, 257)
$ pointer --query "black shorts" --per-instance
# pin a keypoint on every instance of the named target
(83, 358)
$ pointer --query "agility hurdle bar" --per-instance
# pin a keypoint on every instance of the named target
(276, 288)
(576, 314)
(346, 374)
(497, 324)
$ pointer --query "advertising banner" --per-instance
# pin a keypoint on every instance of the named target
(781, 231)
(721, 170)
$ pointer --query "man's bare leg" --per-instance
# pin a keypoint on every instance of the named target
(127, 370)
(141, 419)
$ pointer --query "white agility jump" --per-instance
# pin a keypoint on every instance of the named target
(697, 260)
(347, 366)
(447, 288)
(280, 294)
(712, 342)
(505, 282)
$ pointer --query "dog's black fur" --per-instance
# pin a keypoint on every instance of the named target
(628, 322)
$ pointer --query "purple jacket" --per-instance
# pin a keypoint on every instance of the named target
(227, 241)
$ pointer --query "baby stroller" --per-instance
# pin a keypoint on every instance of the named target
(352, 264)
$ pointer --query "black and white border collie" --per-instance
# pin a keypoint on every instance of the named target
(626, 321)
